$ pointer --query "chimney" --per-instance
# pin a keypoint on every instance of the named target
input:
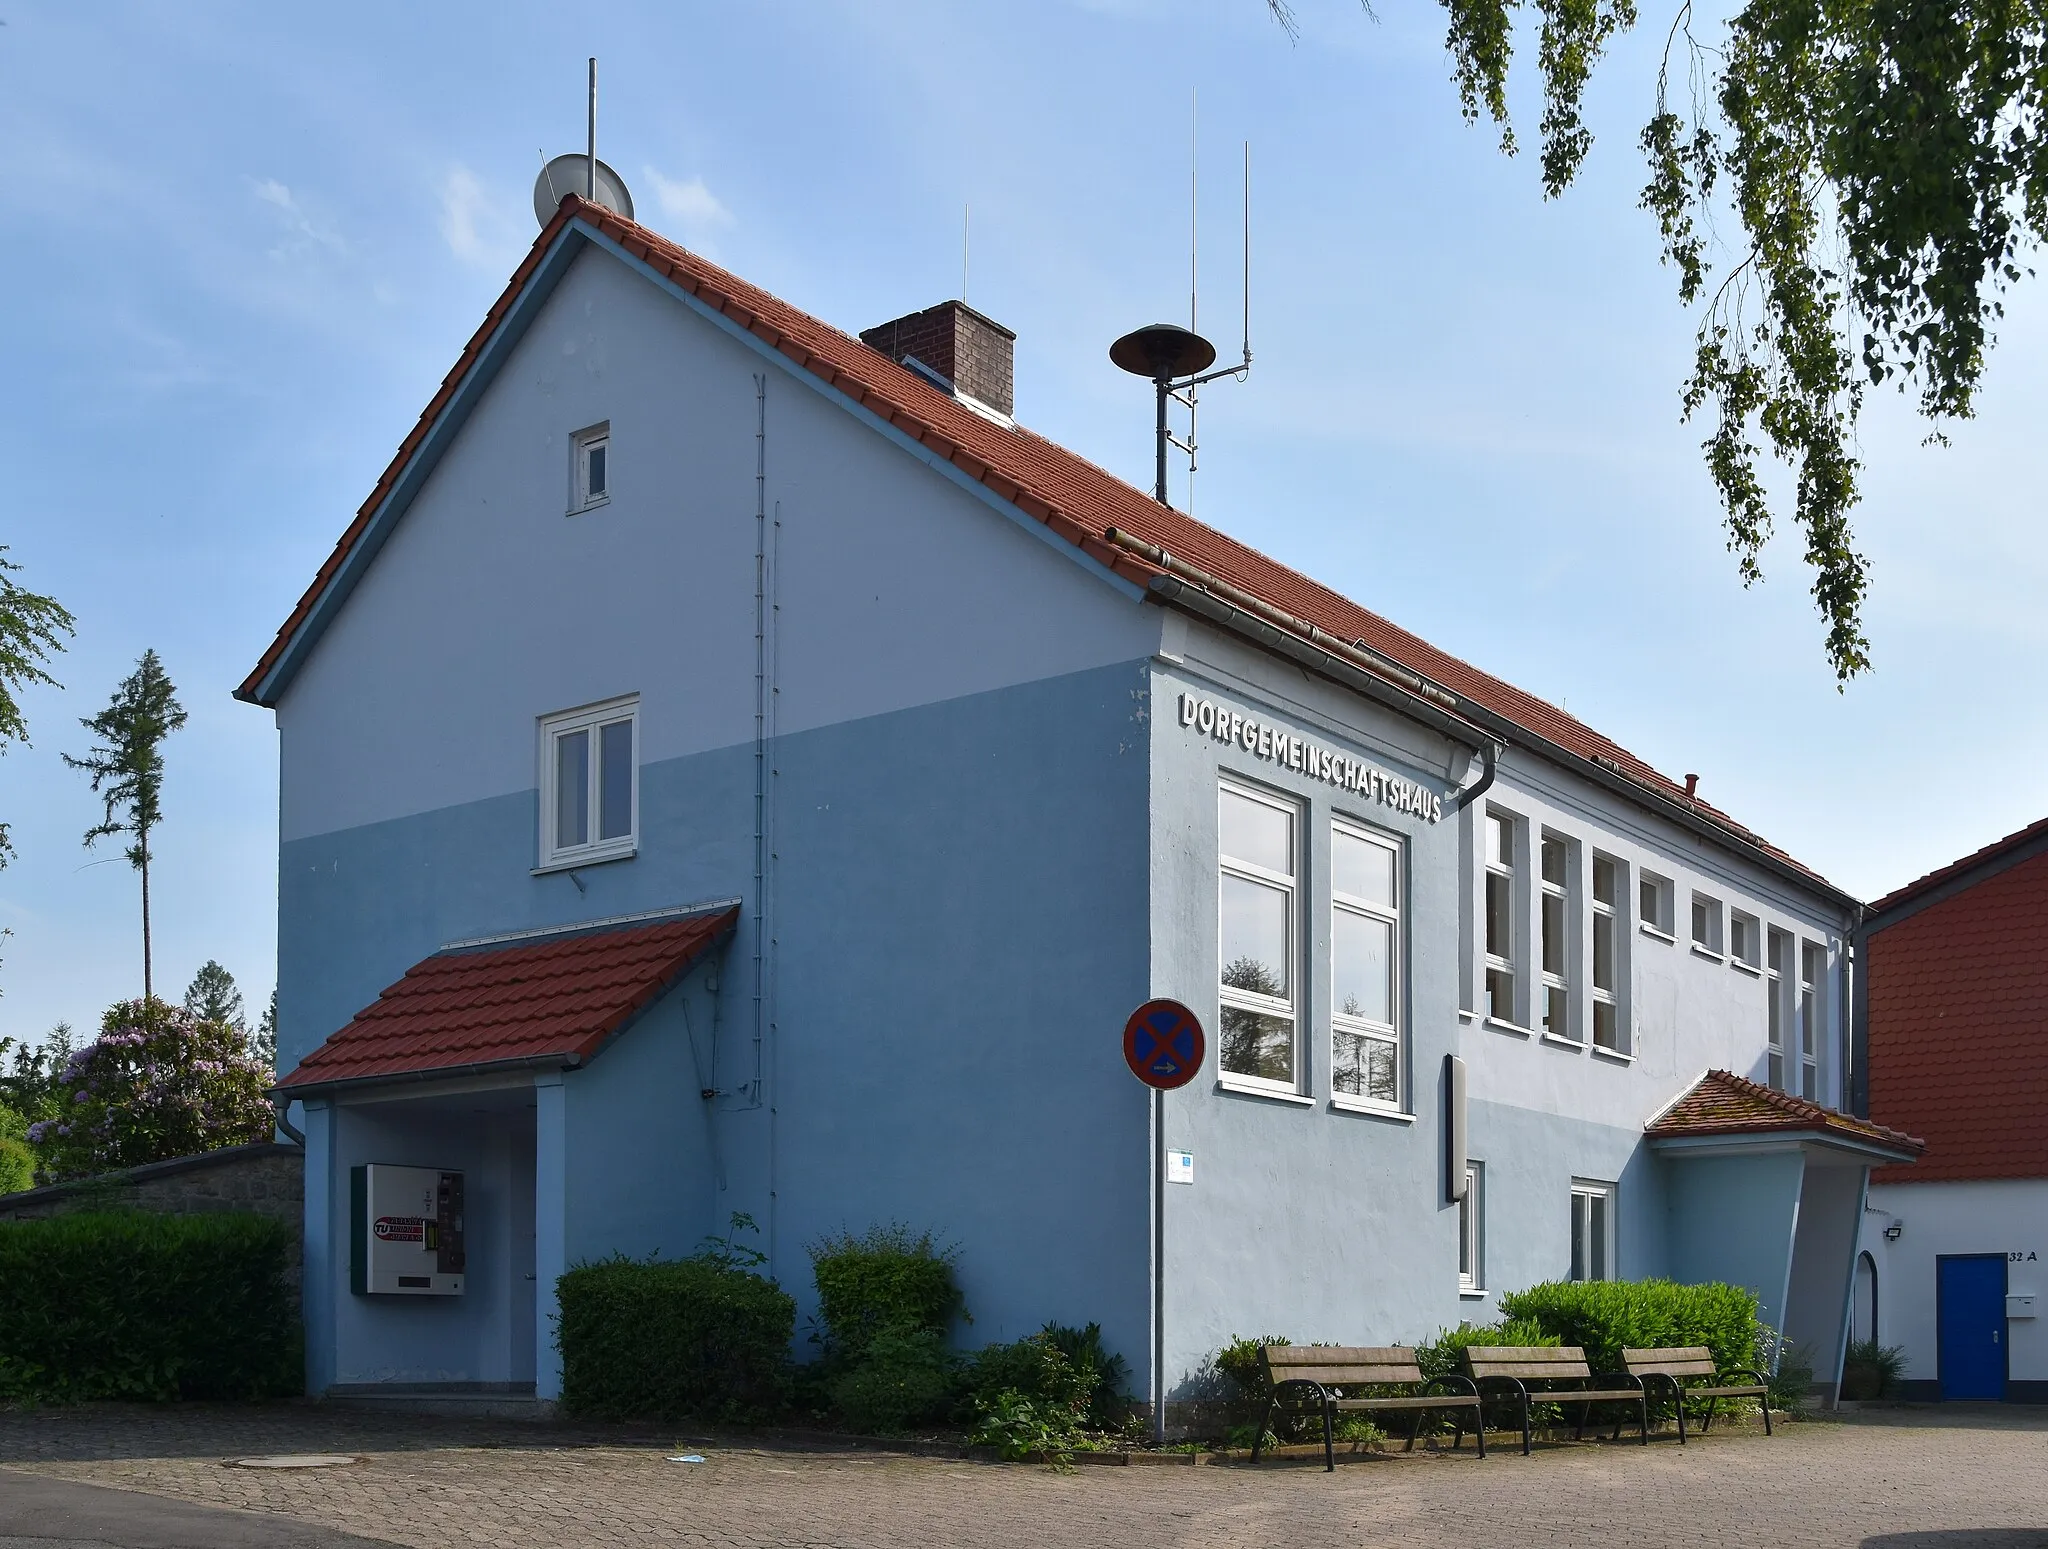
(972, 353)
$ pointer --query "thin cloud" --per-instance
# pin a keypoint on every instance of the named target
(303, 234)
(695, 209)
(476, 227)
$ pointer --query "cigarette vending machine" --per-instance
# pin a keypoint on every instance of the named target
(405, 1231)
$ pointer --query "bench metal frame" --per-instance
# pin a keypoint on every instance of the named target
(1326, 1370)
(1674, 1366)
(1550, 1364)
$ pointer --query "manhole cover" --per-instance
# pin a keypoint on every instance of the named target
(297, 1460)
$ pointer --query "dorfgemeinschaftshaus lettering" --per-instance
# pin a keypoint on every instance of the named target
(1304, 757)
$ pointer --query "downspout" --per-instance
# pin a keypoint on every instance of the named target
(280, 1107)
(1489, 757)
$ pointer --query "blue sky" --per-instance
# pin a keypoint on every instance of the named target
(242, 244)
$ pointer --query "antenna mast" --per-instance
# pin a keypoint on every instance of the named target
(590, 190)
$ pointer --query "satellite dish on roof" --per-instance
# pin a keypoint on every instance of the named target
(1163, 352)
(570, 174)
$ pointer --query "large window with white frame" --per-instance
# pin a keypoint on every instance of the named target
(1592, 1230)
(1812, 964)
(1777, 977)
(1472, 1231)
(1259, 849)
(1556, 932)
(1500, 916)
(1365, 966)
(589, 784)
(1609, 1031)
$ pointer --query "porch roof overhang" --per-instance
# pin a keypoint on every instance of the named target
(1724, 1114)
(537, 1000)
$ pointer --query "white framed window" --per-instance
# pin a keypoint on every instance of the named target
(1655, 903)
(1500, 916)
(1813, 959)
(1472, 1231)
(1777, 975)
(1556, 933)
(1745, 940)
(590, 784)
(1366, 953)
(1592, 1230)
(1706, 924)
(1608, 1028)
(590, 473)
(1259, 849)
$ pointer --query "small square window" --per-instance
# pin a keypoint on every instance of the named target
(1655, 904)
(589, 784)
(1745, 937)
(1706, 924)
(590, 481)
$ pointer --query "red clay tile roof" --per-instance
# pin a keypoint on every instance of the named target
(1958, 1027)
(1722, 1103)
(558, 998)
(1070, 495)
(1953, 869)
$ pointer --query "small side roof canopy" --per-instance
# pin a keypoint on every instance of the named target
(1722, 1107)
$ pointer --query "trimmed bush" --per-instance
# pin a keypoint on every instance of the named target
(672, 1339)
(122, 1305)
(1607, 1316)
(904, 1378)
(1443, 1355)
(883, 1279)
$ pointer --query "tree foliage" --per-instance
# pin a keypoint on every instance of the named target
(1885, 163)
(32, 628)
(212, 997)
(127, 769)
(158, 1083)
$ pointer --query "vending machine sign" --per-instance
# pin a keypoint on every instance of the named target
(406, 1233)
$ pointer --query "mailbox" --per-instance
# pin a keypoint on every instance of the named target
(405, 1231)
(2020, 1305)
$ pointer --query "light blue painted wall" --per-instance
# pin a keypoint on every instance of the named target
(1823, 1257)
(1732, 1218)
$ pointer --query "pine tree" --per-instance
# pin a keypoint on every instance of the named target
(212, 997)
(264, 1044)
(127, 769)
(31, 627)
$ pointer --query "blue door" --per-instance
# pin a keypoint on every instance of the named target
(1970, 1298)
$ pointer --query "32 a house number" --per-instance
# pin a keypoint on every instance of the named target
(2021, 1256)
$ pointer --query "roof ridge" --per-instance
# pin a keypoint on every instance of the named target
(1959, 866)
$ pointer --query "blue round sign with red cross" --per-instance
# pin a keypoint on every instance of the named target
(1163, 1044)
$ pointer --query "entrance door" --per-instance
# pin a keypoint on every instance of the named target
(1970, 1324)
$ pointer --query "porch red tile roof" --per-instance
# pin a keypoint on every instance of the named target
(1077, 500)
(1722, 1103)
(555, 998)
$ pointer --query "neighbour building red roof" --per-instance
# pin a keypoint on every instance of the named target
(1073, 497)
(551, 999)
(1957, 1019)
(1723, 1103)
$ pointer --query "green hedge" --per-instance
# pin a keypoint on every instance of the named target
(886, 1278)
(672, 1339)
(1607, 1316)
(122, 1305)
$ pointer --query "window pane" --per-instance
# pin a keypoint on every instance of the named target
(1362, 966)
(1465, 1233)
(1557, 1014)
(1364, 1067)
(1776, 1020)
(1651, 904)
(1777, 1075)
(1699, 921)
(1553, 861)
(615, 780)
(1603, 1025)
(1361, 869)
(1255, 936)
(1808, 1080)
(1603, 952)
(1553, 933)
(1255, 1044)
(596, 476)
(1578, 1237)
(1500, 995)
(1500, 841)
(1258, 834)
(1806, 1022)
(1605, 881)
(1596, 1236)
(572, 789)
(1500, 916)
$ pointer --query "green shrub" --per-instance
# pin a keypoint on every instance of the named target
(1604, 1317)
(901, 1379)
(17, 1156)
(1241, 1363)
(883, 1279)
(1105, 1408)
(122, 1305)
(1063, 1367)
(1443, 1355)
(670, 1339)
(1871, 1370)
(1791, 1384)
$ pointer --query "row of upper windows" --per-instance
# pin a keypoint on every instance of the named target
(1793, 970)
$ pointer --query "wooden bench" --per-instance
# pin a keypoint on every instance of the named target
(1512, 1368)
(1331, 1375)
(1682, 1368)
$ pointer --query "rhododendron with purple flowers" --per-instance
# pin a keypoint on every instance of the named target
(158, 1083)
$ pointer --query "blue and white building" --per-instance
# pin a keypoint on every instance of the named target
(680, 605)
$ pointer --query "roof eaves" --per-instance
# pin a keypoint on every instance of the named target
(562, 1060)
(1958, 876)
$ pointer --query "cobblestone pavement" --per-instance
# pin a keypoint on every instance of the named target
(1896, 1479)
